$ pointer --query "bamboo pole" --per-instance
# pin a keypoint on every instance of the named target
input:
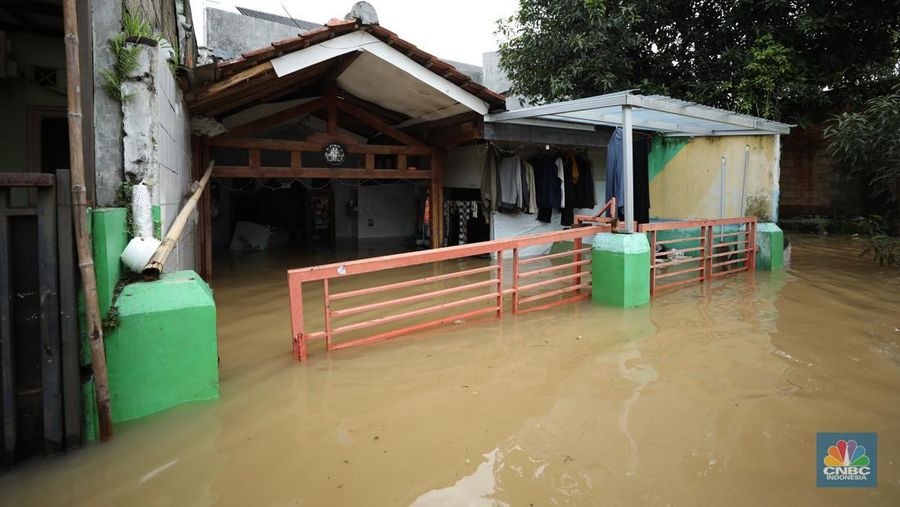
(79, 211)
(155, 266)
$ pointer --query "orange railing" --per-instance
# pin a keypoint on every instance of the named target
(535, 283)
(699, 250)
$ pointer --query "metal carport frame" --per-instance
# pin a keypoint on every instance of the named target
(629, 110)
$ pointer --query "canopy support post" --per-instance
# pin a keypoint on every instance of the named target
(628, 161)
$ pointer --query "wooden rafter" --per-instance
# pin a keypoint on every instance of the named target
(259, 92)
(314, 172)
(278, 118)
(376, 123)
(230, 82)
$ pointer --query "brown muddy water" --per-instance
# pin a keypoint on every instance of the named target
(705, 396)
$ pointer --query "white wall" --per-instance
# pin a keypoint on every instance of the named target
(391, 209)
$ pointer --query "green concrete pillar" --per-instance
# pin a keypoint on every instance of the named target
(621, 269)
(770, 243)
(164, 350)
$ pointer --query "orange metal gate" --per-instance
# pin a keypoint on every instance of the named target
(706, 251)
(531, 289)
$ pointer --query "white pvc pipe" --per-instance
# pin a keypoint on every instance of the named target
(722, 198)
(628, 161)
(744, 180)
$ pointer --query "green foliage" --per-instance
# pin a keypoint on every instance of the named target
(783, 59)
(868, 142)
(127, 54)
(767, 70)
(123, 200)
(884, 249)
(126, 62)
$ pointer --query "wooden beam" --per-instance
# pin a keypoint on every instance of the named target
(289, 145)
(258, 91)
(437, 198)
(389, 115)
(17, 179)
(317, 172)
(219, 88)
(376, 123)
(275, 119)
(331, 100)
(263, 144)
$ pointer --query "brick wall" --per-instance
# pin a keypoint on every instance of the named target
(812, 182)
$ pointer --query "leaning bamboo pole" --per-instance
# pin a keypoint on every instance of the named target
(155, 265)
(79, 214)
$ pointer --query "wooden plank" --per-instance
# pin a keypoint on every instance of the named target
(376, 123)
(332, 120)
(263, 144)
(220, 87)
(20, 179)
(7, 350)
(51, 369)
(70, 340)
(370, 161)
(313, 146)
(436, 197)
(311, 172)
(388, 149)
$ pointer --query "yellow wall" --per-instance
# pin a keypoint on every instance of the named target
(689, 186)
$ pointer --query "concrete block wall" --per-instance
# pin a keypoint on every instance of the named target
(157, 147)
(812, 182)
(173, 143)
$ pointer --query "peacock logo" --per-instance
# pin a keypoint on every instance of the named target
(846, 453)
(846, 460)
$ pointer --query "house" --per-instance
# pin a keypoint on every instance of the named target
(41, 359)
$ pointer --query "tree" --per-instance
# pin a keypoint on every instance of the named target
(797, 60)
(868, 142)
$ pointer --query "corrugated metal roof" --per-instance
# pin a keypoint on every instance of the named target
(658, 113)
(300, 24)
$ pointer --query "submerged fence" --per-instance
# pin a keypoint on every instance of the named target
(534, 286)
(693, 251)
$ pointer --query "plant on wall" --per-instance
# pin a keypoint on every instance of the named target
(126, 47)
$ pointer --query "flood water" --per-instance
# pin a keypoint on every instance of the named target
(706, 396)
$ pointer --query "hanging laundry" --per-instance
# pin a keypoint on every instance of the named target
(548, 189)
(489, 195)
(531, 206)
(510, 184)
(582, 191)
(560, 173)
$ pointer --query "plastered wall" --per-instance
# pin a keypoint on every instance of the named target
(686, 175)
(157, 146)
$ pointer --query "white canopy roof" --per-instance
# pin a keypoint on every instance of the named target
(649, 112)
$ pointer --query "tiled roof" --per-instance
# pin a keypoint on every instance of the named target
(338, 27)
(300, 24)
